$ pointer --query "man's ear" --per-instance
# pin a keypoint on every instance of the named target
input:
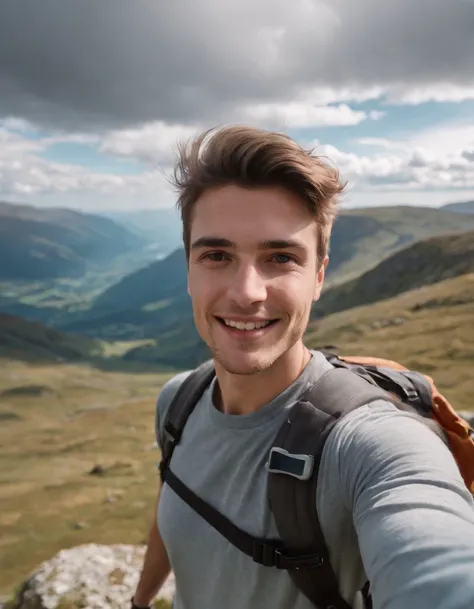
(320, 279)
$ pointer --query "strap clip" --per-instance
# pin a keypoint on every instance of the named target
(272, 556)
(282, 462)
(265, 554)
(174, 436)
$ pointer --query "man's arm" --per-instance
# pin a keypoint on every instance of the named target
(413, 515)
(156, 566)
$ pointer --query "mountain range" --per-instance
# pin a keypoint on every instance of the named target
(49, 243)
(154, 299)
(149, 311)
(423, 263)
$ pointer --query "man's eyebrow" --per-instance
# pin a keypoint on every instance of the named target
(211, 242)
(281, 244)
(271, 244)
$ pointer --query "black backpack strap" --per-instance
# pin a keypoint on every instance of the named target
(184, 402)
(267, 552)
(301, 440)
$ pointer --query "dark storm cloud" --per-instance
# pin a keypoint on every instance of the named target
(92, 64)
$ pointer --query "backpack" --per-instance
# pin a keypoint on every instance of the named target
(295, 456)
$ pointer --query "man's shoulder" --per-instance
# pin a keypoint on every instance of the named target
(371, 442)
(379, 422)
(170, 388)
(165, 398)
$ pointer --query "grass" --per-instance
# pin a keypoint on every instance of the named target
(49, 500)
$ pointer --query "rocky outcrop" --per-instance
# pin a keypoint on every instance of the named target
(90, 576)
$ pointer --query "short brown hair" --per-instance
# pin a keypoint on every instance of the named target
(252, 158)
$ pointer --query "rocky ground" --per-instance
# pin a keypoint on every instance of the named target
(90, 576)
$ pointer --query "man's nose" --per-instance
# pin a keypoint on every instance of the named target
(247, 286)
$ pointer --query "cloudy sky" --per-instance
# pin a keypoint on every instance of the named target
(95, 94)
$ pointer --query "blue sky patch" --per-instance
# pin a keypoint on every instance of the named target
(88, 155)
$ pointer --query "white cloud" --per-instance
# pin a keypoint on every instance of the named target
(380, 142)
(30, 175)
(469, 155)
(69, 138)
(24, 173)
(399, 165)
(441, 92)
(154, 143)
(408, 169)
(15, 123)
(303, 115)
(445, 139)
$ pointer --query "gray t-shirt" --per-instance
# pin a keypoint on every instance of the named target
(390, 499)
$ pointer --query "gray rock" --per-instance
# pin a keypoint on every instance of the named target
(90, 576)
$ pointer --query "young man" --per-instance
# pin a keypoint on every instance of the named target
(257, 214)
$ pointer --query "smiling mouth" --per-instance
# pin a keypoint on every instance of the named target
(246, 326)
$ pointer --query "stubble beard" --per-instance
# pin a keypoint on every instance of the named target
(271, 354)
(243, 369)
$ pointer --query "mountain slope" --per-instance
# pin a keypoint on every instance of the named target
(46, 243)
(464, 207)
(142, 305)
(20, 338)
(363, 237)
(159, 226)
(161, 281)
(423, 263)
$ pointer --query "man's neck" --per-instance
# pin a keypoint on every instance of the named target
(244, 394)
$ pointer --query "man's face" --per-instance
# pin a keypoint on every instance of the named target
(252, 275)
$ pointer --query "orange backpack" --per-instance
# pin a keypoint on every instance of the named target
(458, 432)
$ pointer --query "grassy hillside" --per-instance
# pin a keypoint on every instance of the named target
(363, 237)
(20, 338)
(38, 243)
(35, 343)
(423, 263)
(430, 329)
(57, 424)
(161, 281)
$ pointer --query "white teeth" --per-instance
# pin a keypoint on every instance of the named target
(249, 325)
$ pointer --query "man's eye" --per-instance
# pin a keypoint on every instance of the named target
(216, 256)
(282, 258)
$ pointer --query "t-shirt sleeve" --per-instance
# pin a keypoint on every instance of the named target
(413, 515)
(163, 402)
